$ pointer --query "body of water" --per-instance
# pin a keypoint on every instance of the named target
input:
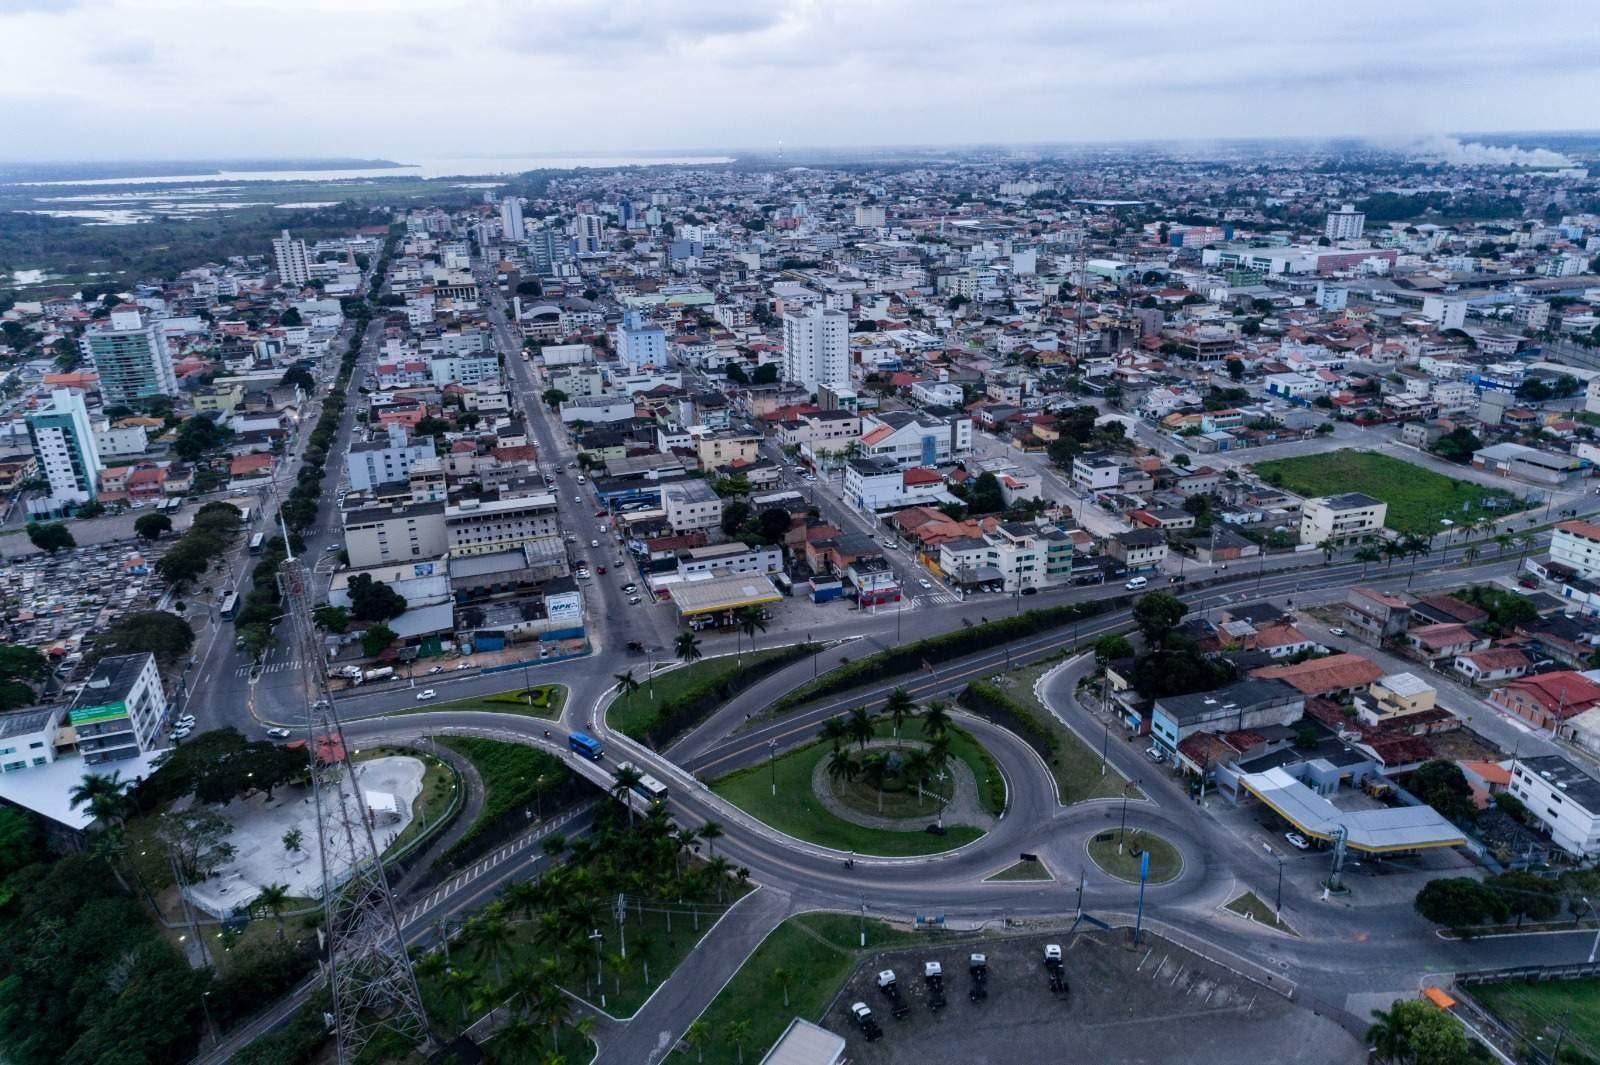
(437, 168)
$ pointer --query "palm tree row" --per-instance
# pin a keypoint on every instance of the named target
(520, 948)
(877, 769)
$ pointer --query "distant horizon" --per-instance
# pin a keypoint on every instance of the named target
(403, 160)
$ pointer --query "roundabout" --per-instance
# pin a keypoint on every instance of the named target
(1120, 857)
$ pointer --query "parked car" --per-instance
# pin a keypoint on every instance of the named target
(435, 669)
(1334, 630)
(1137, 582)
(278, 733)
(634, 600)
(425, 694)
(1297, 841)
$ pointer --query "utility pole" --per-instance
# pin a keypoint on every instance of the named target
(1277, 910)
(772, 761)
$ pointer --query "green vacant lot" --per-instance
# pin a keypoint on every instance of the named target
(1417, 497)
(1533, 1010)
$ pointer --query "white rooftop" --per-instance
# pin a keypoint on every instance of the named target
(1400, 828)
(1405, 685)
(47, 789)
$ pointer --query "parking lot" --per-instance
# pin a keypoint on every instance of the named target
(1112, 1011)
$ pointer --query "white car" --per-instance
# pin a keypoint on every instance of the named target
(634, 600)
(1334, 630)
(278, 733)
(1137, 582)
(435, 669)
(1297, 841)
(178, 733)
(594, 543)
(425, 694)
(463, 665)
(925, 582)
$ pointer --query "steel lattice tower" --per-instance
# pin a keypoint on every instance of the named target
(369, 971)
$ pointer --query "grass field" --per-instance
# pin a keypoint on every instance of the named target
(1255, 908)
(1022, 871)
(1417, 497)
(1165, 861)
(541, 700)
(793, 973)
(797, 811)
(1534, 1010)
(512, 776)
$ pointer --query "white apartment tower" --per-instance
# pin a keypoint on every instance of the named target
(816, 348)
(1346, 223)
(511, 218)
(64, 446)
(294, 265)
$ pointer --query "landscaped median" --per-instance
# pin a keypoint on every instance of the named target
(1119, 853)
(1011, 704)
(868, 814)
(542, 700)
(942, 650)
(672, 701)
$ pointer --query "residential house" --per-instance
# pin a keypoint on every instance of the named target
(1564, 798)
(1549, 700)
(1444, 640)
(1139, 549)
(1489, 666)
(1334, 677)
(1374, 616)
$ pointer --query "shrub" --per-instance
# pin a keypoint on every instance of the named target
(911, 657)
(1004, 709)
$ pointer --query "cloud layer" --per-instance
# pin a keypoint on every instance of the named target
(425, 78)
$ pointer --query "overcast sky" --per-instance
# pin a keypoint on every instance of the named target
(414, 79)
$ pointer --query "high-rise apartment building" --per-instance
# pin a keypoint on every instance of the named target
(639, 343)
(64, 446)
(511, 227)
(586, 230)
(1346, 223)
(131, 357)
(816, 347)
(294, 264)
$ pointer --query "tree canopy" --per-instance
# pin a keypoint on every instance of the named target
(51, 537)
(165, 635)
(372, 600)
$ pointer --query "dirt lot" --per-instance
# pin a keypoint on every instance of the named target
(1111, 1014)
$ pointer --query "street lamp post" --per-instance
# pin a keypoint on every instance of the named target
(1277, 910)
(1122, 832)
(772, 761)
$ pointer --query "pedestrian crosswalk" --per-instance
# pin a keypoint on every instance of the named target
(285, 666)
(933, 599)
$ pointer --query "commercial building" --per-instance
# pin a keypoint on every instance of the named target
(119, 712)
(65, 448)
(1096, 473)
(28, 738)
(912, 439)
(1349, 518)
(479, 526)
(374, 536)
(691, 505)
(131, 357)
(594, 410)
(1245, 704)
(292, 262)
(1564, 798)
(816, 348)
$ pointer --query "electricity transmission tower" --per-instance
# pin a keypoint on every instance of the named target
(369, 971)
